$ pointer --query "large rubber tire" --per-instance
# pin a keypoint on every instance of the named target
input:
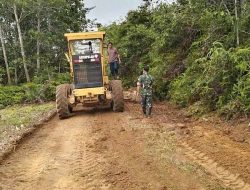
(62, 105)
(117, 96)
(70, 91)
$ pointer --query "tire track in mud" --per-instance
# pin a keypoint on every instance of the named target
(160, 113)
(55, 157)
(90, 169)
(229, 179)
(132, 107)
(76, 154)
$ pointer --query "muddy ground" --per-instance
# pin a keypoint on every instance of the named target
(102, 150)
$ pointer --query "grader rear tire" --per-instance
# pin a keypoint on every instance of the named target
(62, 105)
(117, 96)
(70, 90)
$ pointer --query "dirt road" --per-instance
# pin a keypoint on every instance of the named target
(104, 150)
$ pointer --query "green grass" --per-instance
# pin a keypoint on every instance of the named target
(22, 115)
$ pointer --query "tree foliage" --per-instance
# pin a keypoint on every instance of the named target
(198, 51)
(42, 27)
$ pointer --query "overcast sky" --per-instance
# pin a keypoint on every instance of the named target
(107, 11)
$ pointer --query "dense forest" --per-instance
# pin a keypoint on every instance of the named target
(198, 51)
(33, 46)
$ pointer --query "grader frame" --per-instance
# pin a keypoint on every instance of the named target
(91, 86)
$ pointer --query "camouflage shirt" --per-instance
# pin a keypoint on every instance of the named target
(146, 83)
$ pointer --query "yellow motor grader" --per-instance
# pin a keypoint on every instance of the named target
(91, 86)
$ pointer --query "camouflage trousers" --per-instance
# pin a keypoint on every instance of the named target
(146, 103)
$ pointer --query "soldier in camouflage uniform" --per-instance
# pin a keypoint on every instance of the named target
(144, 86)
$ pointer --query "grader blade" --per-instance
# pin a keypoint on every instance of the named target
(131, 96)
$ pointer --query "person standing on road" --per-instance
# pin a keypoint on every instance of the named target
(145, 88)
(113, 60)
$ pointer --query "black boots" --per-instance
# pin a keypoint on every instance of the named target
(148, 112)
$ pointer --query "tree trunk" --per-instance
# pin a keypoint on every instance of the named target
(224, 4)
(59, 67)
(49, 24)
(48, 71)
(5, 56)
(21, 44)
(16, 77)
(242, 6)
(38, 64)
(236, 23)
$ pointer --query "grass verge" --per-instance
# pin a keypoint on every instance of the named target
(19, 120)
(22, 115)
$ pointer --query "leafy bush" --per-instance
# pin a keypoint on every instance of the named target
(10, 95)
(220, 81)
(190, 47)
(239, 99)
(31, 92)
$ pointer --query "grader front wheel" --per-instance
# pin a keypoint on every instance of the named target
(117, 96)
(62, 105)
